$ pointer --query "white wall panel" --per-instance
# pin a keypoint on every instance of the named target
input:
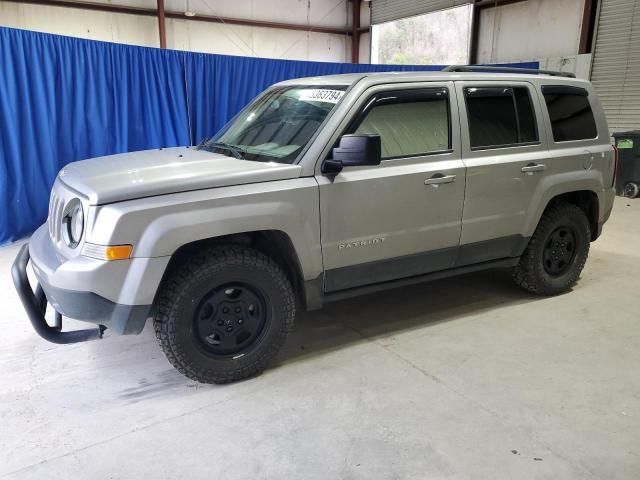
(110, 27)
(208, 37)
(329, 48)
(224, 8)
(531, 29)
(365, 48)
(254, 41)
(129, 3)
(283, 11)
(580, 65)
(365, 14)
(201, 36)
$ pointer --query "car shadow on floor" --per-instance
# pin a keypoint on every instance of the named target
(394, 312)
(375, 317)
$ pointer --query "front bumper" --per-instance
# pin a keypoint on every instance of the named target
(116, 295)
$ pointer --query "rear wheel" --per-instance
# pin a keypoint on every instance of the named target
(224, 314)
(557, 252)
(631, 190)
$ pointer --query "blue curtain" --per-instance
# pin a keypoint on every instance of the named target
(64, 99)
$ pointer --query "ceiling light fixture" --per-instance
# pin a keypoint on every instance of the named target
(188, 12)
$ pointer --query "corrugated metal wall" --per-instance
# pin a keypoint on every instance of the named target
(616, 63)
(388, 10)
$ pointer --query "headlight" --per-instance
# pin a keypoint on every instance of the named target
(73, 223)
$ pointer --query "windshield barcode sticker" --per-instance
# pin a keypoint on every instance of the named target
(321, 95)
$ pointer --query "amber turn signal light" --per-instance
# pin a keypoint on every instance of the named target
(107, 252)
(118, 252)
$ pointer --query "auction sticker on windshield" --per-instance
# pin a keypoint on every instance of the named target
(321, 95)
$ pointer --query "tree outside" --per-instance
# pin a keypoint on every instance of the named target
(438, 38)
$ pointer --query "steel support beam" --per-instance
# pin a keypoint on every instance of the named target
(588, 25)
(355, 31)
(259, 23)
(162, 31)
(495, 3)
(152, 12)
(474, 34)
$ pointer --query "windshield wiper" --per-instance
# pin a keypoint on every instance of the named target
(203, 142)
(235, 151)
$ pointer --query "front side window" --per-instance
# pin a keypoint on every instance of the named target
(570, 113)
(277, 126)
(410, 123)
(500, 117)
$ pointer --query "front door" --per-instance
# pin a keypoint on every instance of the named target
(401, 218)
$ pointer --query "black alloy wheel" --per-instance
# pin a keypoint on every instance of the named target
(231, 318)
(223, 313)
(559, 251)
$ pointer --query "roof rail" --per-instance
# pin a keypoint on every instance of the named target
(482, 68)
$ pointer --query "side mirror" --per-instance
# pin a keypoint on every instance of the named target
(354, 150)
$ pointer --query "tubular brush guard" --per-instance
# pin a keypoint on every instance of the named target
(35, 305)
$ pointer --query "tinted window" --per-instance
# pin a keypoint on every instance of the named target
(526, 117)
(570, 113)
(500, 116)
(409, 122)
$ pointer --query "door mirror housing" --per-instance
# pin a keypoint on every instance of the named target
(354, 150)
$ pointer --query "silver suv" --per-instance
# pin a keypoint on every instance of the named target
(321, 189)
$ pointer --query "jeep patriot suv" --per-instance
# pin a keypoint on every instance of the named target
(320, 189)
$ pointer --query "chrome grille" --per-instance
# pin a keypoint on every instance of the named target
(56, 204)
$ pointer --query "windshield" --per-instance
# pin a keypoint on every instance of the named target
(277, 126)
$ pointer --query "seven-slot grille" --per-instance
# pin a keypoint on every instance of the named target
(56, 205)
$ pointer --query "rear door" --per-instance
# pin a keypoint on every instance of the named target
(504, 150)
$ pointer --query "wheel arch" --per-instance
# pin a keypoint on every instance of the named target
(276, 244)
(587, 201)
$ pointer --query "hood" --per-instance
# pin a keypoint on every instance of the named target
(170, 170)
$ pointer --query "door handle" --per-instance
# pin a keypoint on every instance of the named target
(439, 179)
(534, 167)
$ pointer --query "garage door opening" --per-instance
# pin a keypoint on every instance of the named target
(435, 38)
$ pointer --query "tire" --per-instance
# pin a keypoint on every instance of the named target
(224, 314)
(557, 252)
(631, 190)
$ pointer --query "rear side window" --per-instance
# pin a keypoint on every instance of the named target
(570, 113)
(500, 117)
(410, 123)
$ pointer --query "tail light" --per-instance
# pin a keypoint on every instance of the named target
(615, 164)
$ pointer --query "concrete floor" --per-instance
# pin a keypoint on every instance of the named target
(466, 378)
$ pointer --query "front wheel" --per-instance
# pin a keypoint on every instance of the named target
(557, 252)
(224, 314)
